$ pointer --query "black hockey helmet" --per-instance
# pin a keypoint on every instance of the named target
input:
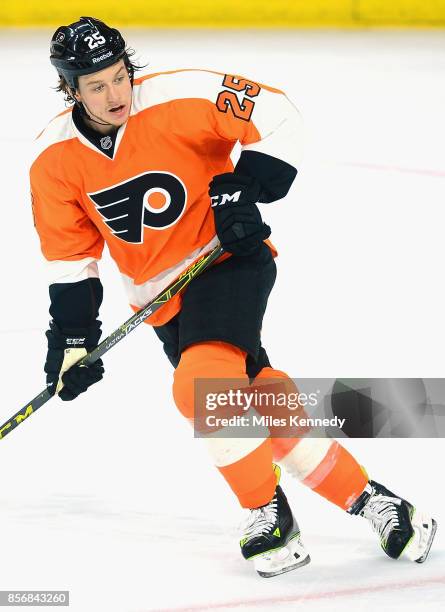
(84, 47)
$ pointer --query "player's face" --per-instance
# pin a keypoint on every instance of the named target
(106, 95)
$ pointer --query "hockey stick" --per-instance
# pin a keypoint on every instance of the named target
(121, 332)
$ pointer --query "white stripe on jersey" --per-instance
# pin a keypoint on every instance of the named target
(60, 271)
(59, 129)
(140, 295)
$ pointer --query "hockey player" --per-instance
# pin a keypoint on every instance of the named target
(144, 166)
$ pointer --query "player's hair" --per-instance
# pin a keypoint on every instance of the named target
(132, 67)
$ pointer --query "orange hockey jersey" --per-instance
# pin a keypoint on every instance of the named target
(149, 201)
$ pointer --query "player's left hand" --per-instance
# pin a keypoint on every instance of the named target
(65, 348)
(238, 222)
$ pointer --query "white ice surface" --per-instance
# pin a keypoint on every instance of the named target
(111, 497)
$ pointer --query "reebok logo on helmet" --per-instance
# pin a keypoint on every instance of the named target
(102, 57)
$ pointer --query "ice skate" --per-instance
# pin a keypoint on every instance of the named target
(271, 537)
(403, 530)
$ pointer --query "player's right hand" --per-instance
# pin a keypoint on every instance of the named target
(65, 348)
(238, 223)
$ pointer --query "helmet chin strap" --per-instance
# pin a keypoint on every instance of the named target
(89, 115)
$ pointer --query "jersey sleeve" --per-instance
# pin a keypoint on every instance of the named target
(261, 118)
(66, 233)
(269, 129)
(71, 245)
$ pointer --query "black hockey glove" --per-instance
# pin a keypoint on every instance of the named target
(65, 348)
(238, 222)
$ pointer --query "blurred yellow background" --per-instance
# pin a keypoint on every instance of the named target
(228, 13)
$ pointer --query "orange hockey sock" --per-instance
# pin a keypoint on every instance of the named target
(322, 464)
(246, 464)
(338, 477)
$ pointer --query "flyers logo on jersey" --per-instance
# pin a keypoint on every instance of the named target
(153, 199)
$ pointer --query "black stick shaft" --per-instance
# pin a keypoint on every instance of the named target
(120, 333)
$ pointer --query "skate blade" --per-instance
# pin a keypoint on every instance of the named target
(430, 542)
(282, 560)
(425, 529)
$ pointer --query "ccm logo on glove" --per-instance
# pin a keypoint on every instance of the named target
(220, 200)
(75, 341)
